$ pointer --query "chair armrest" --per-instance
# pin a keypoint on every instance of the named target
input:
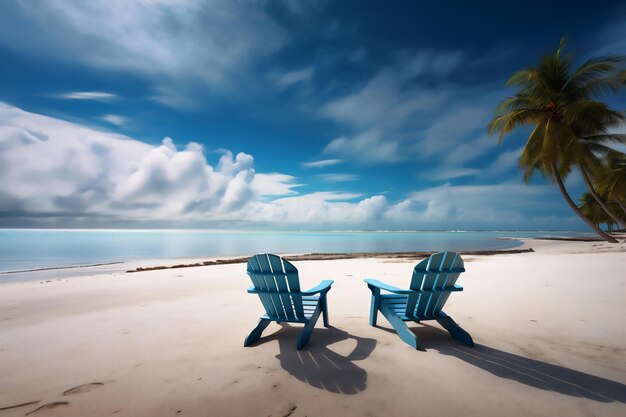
(381, 285)
(323, 286)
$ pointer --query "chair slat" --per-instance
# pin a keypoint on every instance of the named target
(440, 281)
(268, 278)
(281, 283)
(254, 270)
(450, 281)
(294, 285)
(416, 284)
(435, 263)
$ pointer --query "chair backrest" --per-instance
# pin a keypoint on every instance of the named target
(434, 277)
(279, 286)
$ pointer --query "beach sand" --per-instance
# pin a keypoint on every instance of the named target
(549, 328)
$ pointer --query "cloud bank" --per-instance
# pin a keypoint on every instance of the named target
(57, 173)
(55, 168)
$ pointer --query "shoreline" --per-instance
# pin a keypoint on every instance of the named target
(176, 263)
(523, 245)
(141, 265)
(47, 257)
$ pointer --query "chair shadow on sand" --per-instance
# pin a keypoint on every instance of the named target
(317, 364)
(532, 372)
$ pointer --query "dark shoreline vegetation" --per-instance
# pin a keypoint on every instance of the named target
(330, 257)
(52, 268)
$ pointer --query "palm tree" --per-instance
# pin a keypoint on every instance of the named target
(589, 207)
(593, 169)
(613, 179)
(558, 103)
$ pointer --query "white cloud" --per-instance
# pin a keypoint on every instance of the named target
(323, 163)
(338, 177)
(52, 166)
(115, 119)
(391, 96)
(506, 161)
(319, 209)
(370, 147)
(177, 45)
(611, 38)
(447, 173)
(371, 208)
(508, 205)
(472, 147)
(412, 110)
(274, 184)
(173, 96)
(320, 196)
(445, 133)
(503, 205)
(87, 95)
(290, 78)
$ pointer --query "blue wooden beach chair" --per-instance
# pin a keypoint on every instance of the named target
(277, 284)
(432, 282)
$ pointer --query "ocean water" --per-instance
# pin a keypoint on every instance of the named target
(25, 249)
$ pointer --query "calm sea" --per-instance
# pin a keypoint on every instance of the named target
(23, 249)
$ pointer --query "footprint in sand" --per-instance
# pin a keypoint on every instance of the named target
(83, 388)
(287, 410)
(8, 407)
(48, 407)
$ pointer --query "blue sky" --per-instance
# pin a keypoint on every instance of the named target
(281, 114)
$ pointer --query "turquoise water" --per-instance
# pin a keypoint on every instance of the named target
(22, 249)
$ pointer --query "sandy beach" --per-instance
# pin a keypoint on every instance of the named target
(549, 328)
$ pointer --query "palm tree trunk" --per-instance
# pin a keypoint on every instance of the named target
(559, 182)
(622, 206)
(605, 207)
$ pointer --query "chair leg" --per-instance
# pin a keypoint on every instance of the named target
(303, 339)
(400, 326)
(374, 306)
(255, 334)
(455, 330)
(324, 309)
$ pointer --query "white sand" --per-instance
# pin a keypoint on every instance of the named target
(549, 328)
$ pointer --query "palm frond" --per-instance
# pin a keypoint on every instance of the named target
(602, 86)
(506, 123)
(521, 77)
(593, 69)
(596, 148)
(531, 158)
(605, 137)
